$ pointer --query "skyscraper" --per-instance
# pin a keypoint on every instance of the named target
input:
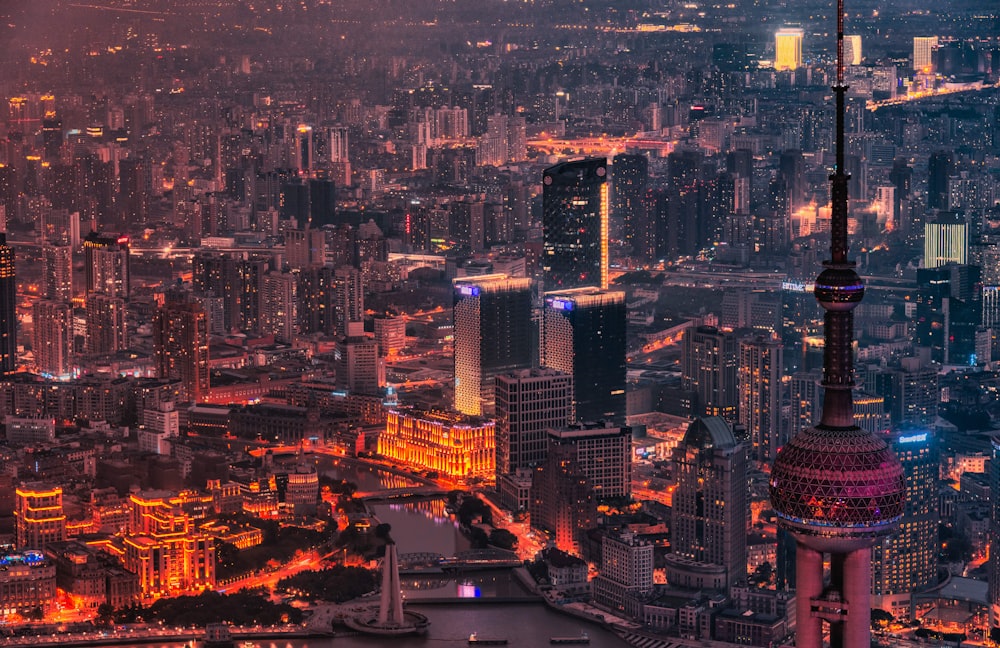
(583, 333)
(946, 240)
(708, 368)
(279, 306)
(837, 488)
(907, 562)
(57, 272)
(359, 366)
(52, 342)
(107, 331)
(8, 308)
(180, 346)
(575, 224)
(106, 265)
(852, 49)
(788, 49)
(529, 402)
(923, 53)
(940, 166)
(759, 385)
(629, 178)
(348, 298)
(492, 315)
(710, 514)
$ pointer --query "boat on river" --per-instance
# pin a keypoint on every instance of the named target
(476, 640)
(582, 638)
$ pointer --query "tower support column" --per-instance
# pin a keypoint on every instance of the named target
(808, 586)
(857, 588)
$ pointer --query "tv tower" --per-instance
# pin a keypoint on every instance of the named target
(835, 487)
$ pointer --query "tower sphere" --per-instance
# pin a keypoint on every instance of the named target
(837, 488)
(839, 289)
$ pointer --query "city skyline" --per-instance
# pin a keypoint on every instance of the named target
(537, 293)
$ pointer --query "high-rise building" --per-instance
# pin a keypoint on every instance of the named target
(390, 334)
(626, 570)
(788, 49)
(906, 563)
(8, 308)
(583, 333)
(39, 518)
(360, 368)
(57, 273)
(492, 316)
(710, 513)
(852, 49)
(923, 53)
(52, 339)
(946, 240)
(575, 224)
(317, 300)
(349, 298)
(759, 381)
(279, 306)
(708, 368)
(107, 330)
(180, 346)
(106, 265)
(529, 402)
(837, 488)
(940, 167)
(304, 248)
(994, 565)
(629, 179)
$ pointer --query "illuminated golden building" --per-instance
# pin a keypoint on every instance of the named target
(38, 515)
(448, 443)
(163, 547)
(788, 49)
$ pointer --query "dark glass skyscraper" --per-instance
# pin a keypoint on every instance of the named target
(575, 221)
(8, 308)
(939, 167)
(584, 336)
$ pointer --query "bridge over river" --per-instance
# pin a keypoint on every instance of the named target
(426, 562)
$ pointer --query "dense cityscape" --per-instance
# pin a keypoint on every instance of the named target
(623, 323)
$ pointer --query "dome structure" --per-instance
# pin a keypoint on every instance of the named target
(837, 487)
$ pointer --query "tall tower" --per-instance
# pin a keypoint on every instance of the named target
(8, 308)
(837, 488)
(492, 336)
(584, 336)
(575, 224)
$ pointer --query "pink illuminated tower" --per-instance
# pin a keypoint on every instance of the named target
(835, 487)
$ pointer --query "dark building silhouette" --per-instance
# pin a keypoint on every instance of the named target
(940, 166)
(575, 222)
(629, 179)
